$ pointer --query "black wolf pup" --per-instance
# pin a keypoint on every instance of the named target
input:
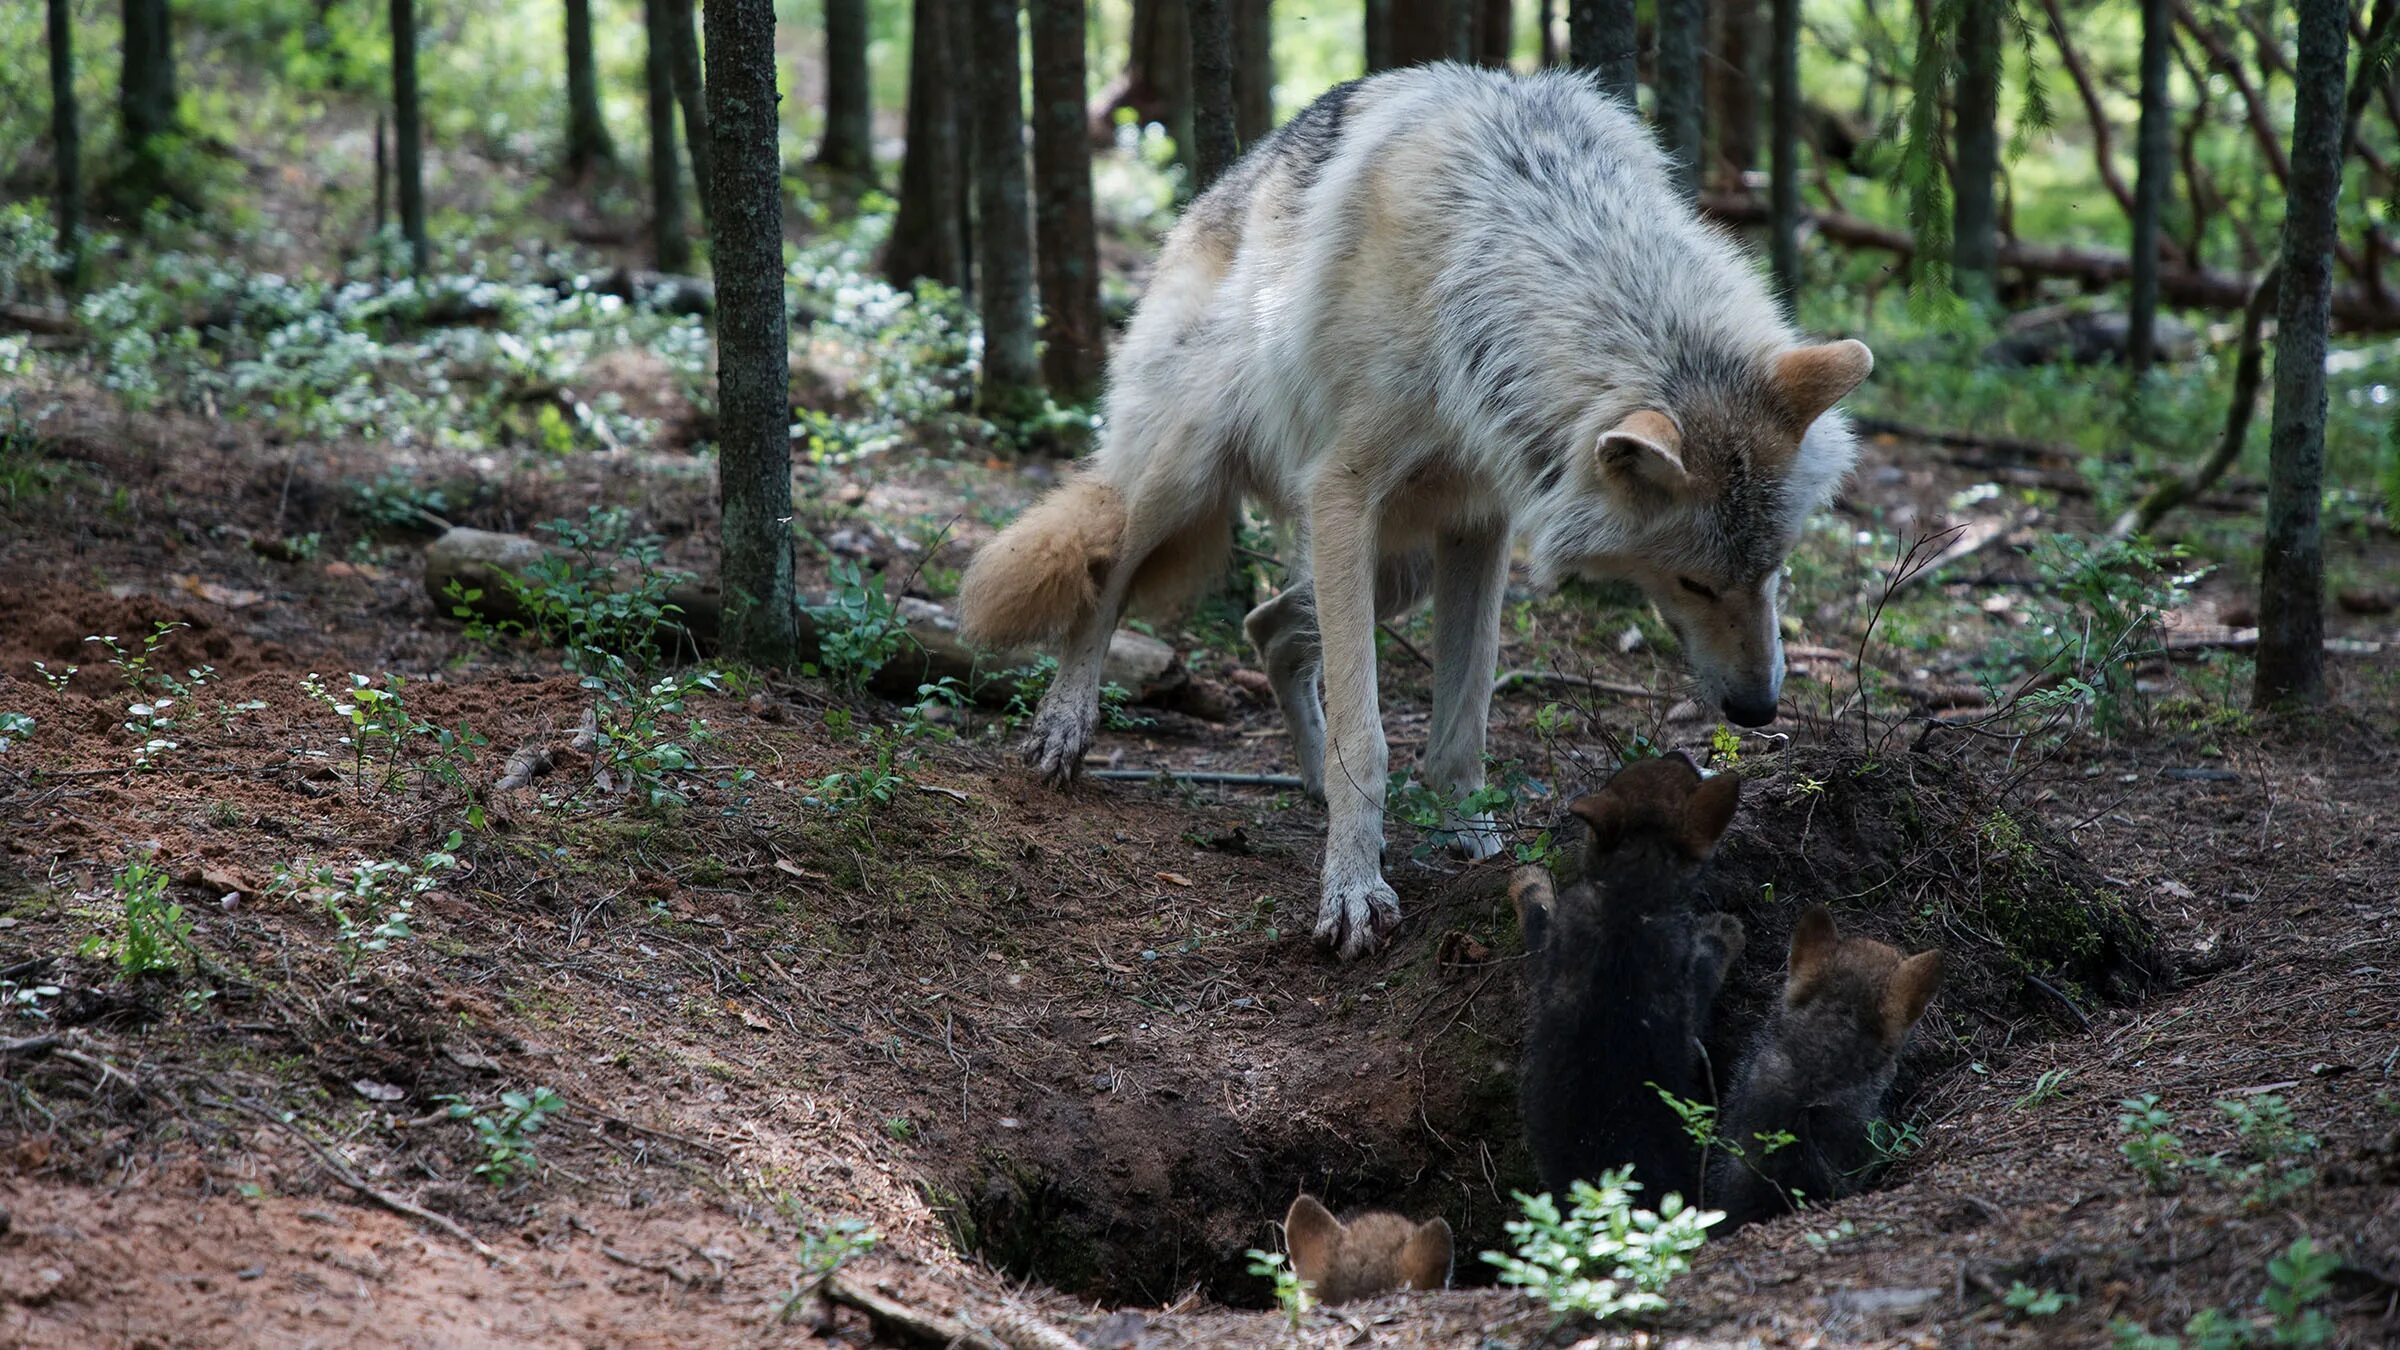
(1622, 973)
(1814, 1080)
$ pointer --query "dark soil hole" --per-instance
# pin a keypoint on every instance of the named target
(1394, 1086)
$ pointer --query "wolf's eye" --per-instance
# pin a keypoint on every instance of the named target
(1696, 588)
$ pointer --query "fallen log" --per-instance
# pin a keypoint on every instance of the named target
(480, 571)
(2354, 306)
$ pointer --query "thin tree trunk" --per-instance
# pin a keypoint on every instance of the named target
(383, 191)
(1495, 31)
(1215, 143)
(1067, 253)
(754, 410)
(588, 145)
(1602, 36)
(2248, 363)
(66, 142)
(929, 237)
(1419, 31)
(408, 136)
(1545, 18)
(1681, 26)
(2154, 149)
(2291, 587)
(1783, 225)
(1378, 36)
(1733, 97)
(684, 48)
(1460, 16)
(1003, 236)
(849, 112)
(1974, 223)
(1253, 70)
(669, 241)
(146, 98)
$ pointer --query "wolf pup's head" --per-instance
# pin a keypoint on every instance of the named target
(1709, 493)
(1372, 1254)
(1848, 1004)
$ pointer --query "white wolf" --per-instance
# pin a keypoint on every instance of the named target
(1440, 309)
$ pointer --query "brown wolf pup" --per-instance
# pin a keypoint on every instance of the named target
(1372, 1254)
(1818, 1071)
(1622, 973)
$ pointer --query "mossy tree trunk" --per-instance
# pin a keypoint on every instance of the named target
(2291, 588)
(754, 446)
(1603, 37)
(1783, 195)
(2154, 160)
(1681, 26)
(66, 141)
(1066, 242)
(670, 241)
(1216, 143)
(1003, 234)
(408, 136)
(691, 93)
(1253, 70)
(929, 234)
(849, 143)
(146, 99)
(1974, 214)
(588, 145)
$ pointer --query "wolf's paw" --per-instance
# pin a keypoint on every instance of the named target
(1473, 838)
(1055, 749)
(1355, 916)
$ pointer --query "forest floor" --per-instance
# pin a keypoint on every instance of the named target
(1068, 1056)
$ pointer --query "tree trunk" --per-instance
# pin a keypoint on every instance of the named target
(669, 241)
(66, 142)
(1419, 31)
(1974, 225)
(1733, 90)
(684, 47)
(1003, 236)
(1067, 253)
(408, 136)
(754, 409)
(588, 145)
(1253, 70)
(1377, 40)
(146, 98)
(1602, 36)
(1215, 143)
(1157, 80)
(1495, 31)
(929, 233)
(849, 143)
(2291, 587)
(1681, 27)
(1460, 15)
(1545, 20)
(1783, 218)
(2154, 164)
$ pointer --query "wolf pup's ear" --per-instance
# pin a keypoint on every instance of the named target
(1425, 1257)
(1314, 1236)
(1708, 811)
(1646, 448)
(1814, 942)
(1911, 988)
(1812, 379)
(1605, 813)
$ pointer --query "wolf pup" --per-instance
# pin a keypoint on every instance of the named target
(1622, 973)
(1372, 1254)
(1441, 310)
(1819, 1071)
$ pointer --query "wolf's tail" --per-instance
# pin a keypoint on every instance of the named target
(1032, 582)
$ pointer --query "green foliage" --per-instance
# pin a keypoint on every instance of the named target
(638, 750)
(2023, 1300)
(506, 1135)
(382, 728)
(2046, 1089)
(393, 500)
(2275, 1145)
(1028, 683)
(2298, 1280)
(155, 934)
(600, 595)
(2151, 1144)
(1602, 1257)
(1291, 1292)
(823, 1252)
(2102, 610)
(862, 627)
(14, 727)
(373, 904)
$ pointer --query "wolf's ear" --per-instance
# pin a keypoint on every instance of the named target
(1911, 988)
(1812, 379)
(1707, 812)
(1604, 811)
(1314, 1236)
(1425, 1257)
(1647, 448)
(1814, 942)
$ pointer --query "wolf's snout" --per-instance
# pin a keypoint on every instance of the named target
(1748, 711)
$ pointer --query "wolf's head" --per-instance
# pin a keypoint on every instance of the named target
(1700, 498)
(1848, 1004)
(1371, 1254)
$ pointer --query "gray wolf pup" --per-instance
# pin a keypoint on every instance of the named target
(1442, 309)
(1818, 1071)
(1372, 1254)
(1622, 971)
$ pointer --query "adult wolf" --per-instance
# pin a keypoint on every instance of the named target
(1440, 309)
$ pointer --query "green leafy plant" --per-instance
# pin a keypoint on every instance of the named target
(155, 931)
(506, 1135)
(2151, 1144)
(2276, 1146)
(381, 727)
(2298, 1280)
(861, 627)
(2023, 1300)
(601, 594)
(1291, 1292)
(823, 1252)
(2046, 1089)
(374, 903)
(14, 727)
(1602, 1257)
(639, 751)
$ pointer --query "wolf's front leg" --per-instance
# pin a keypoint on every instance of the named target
(1470, 571)
(1358, 907)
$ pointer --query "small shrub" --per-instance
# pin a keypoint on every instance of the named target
(1291, 1292)
(156, 932)
(506, 1136)
(862, 627)
(1602, 1257)
(373, 906)
(2151, 1144)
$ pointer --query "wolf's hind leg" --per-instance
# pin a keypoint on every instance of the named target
(1284, 630)
(1470, 577)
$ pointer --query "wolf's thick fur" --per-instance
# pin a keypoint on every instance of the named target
(1622, 972)
(1441, 309)
(1819, 1070)
(1373, 1253)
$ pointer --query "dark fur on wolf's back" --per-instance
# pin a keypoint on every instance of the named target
(1819, 1070)
(1623, 969)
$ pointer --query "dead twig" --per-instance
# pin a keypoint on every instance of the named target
(891, 1317)
(341, 1172)
(1222, 778)
(1517, 677)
